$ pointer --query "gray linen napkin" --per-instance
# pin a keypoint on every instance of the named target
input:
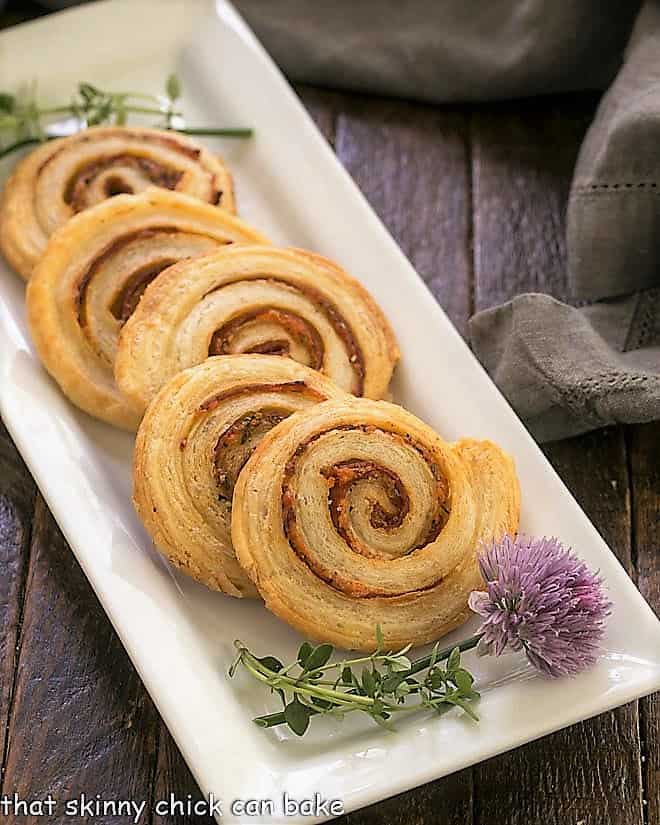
(565, 370)
(568, 370)
(444, 50)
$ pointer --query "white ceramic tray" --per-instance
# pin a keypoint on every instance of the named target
(178, 634)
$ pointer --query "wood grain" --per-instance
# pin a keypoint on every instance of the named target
(644, 446)
(411, 162)
(590, 772)
(524, 154)
(81, 720)
(174, 781)
(17, 495)
(522, 169)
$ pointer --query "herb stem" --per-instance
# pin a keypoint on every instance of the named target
(229, 133)
(55, 110)
(13, 147)
(272, 720)
(425, 661)
(270, 677)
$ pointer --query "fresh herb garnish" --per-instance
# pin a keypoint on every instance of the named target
(381, 684)
(23, 121)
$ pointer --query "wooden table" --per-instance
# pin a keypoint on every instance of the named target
(475, 195)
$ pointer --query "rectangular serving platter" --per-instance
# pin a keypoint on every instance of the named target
(179, 635)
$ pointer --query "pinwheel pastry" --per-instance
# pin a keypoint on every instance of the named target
(192, 444)
(92, 276)
(256, 299)
(354, 514)
(65, 176)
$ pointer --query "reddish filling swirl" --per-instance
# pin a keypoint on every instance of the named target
(299, 329)
(75, 193)
(238, 441)
(342, 478)
(222, 341)
(128, 296)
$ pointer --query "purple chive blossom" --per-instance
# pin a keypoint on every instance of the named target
(541, 599)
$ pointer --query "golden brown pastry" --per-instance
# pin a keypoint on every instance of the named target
(92, 276)
(256, 299)
(65, 176)
(355, 514)
(192, 444)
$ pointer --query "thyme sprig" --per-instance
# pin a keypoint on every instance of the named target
(24, 122)
(381, 684)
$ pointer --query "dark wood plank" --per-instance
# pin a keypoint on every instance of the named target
(524, 154)
(17, 496)
(323, 105)
(411, 162)
(644, 446)
(590, 772)
(81, 721)
(523, 160)
(175, 782)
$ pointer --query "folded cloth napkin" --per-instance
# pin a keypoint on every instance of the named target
(568, 370)
(444, 50)
(565, 370)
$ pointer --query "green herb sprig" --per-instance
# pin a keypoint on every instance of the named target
(23, 121)
(381, 684)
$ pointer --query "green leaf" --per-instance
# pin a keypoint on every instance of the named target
(463, 680)
(400, 664)
(297, 717)
(436, 678)
(87, 91)
(454, 660)
(7, 102)
(347, 675)
(319, 657)
(368, 682)
(402, 690)
(303, 653)
(392, 682)
(173, 87)
(271, 663)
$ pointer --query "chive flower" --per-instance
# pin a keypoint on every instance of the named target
(542, 599)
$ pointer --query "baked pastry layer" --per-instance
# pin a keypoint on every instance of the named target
(256, 299)
(191, 445)
(355, 514)
(92, 275)
(62, 177)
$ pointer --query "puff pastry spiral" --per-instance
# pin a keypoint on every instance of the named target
(192, 444)
(65, 176)
(356, 514)
(262, 300)
(92, 275)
